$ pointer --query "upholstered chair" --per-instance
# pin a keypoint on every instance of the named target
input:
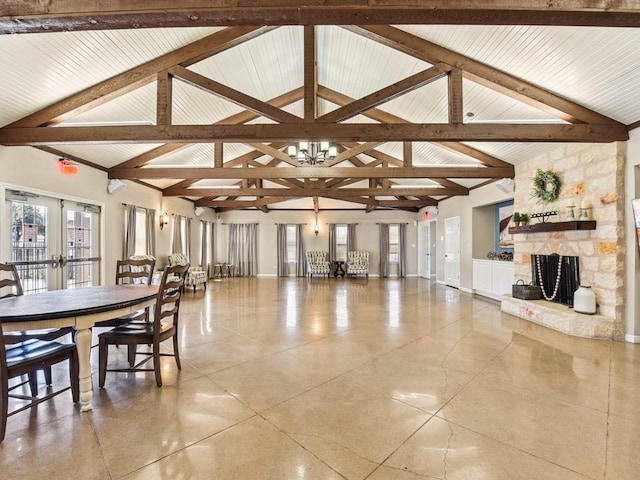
(195, 276)
(317, 263)
(358, 263)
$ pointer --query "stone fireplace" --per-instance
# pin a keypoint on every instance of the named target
(559, 276)
(591, 173)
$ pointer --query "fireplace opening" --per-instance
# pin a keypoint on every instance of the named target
(557, 275)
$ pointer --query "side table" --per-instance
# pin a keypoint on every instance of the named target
(339, 269)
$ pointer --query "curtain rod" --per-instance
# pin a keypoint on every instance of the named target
(288, 223)
(395, 223)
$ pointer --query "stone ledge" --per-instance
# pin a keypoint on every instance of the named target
(563, 318)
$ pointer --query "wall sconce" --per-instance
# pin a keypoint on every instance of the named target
(316, 227)
(164, 219)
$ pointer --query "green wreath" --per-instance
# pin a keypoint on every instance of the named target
(546, 186)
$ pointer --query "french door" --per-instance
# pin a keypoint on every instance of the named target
(54, 243)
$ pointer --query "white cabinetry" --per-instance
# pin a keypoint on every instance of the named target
(492, 278)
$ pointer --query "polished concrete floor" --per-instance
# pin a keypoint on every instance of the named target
(348, 378)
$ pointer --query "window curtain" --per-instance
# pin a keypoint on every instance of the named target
(332, 242)
(384, 249)
(281, 250)
(150, 232)
(243, 248)
(187, 238)
(402, 250)
(301, 253)
(351, 238)
(206, 241)
(129, 232)
(176, 244)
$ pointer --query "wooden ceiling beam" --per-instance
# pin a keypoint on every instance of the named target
(482, 73)
(176, 191)
(139, 76)
(234, 96)
(309, 172)
(310, 74)
(36, 16)
(350, 153)
(386, 94)
(349, 132)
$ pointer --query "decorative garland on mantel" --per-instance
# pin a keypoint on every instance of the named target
(546, 185)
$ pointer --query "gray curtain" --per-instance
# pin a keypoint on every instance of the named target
(243, 248)
(332, 242)
(203, 246)
(301, 253)
(281, 250)
(176, 244)
(129, 232)
(384, 249)
(351, 238)
(187, 237)
(150, 232)
(402, 250)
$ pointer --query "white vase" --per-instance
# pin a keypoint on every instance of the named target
(584, 300)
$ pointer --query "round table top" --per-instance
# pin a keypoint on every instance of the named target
(73, 302)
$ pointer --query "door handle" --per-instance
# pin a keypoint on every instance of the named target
(56, 261)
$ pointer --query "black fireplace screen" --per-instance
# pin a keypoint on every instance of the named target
(544, 272)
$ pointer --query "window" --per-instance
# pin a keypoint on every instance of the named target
(292, 236)
(341, 242)
(141, 232)
(394, 243)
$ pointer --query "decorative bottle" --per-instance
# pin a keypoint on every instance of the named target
(584, 300)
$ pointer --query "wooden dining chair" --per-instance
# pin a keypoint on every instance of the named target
(26, 358)
(10, 279)
(163, 327)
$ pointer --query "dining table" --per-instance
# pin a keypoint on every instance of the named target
(80, 308)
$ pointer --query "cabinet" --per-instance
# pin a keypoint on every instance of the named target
(492, 278)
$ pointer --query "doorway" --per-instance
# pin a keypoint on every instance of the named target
(452, 251)
(54, 243)
(427, 249)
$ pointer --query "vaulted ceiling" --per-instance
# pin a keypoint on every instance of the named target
(202, 102)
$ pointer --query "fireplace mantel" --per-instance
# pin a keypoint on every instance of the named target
(555, 226)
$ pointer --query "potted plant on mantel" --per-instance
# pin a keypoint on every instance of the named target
(520, 219)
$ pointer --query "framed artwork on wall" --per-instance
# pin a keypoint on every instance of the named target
(636, 218)
(505, 212)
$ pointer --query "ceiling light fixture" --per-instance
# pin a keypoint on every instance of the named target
(312, 153)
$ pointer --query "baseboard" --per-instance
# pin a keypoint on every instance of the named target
(632, 338)
(465, 290)
(440, 282)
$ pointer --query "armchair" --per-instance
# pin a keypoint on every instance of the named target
(317, 263)
(358, 263)
(195, 276)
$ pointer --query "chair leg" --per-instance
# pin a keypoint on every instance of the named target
(47, 375)
(156, 365)
(103, 351)
(176, 354)
(131, 354)
(33, 383)
(4, 406)
(74, 376)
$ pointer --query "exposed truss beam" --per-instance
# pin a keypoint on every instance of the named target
(136, 77)
(310, 172)
(481, 73)
(428, 132)
(309, 192)
(26, 16)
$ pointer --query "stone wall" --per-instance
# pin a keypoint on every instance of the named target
(592, 172)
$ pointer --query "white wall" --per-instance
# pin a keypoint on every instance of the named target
(33, 170)
(366, 233)
(462, 206)
(632, 262)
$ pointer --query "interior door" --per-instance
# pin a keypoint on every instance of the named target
(424, 249)
(54, 243)
(452, 251)
(433, 230)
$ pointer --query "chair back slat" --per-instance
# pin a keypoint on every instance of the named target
(9, 278)
(135, 270)
(169, 294)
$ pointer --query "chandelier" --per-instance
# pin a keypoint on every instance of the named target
(312, 153)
